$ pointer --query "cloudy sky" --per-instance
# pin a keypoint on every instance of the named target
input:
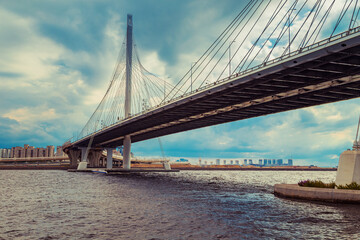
(57, 58)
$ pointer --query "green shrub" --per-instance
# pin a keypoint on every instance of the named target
(353, 186)
(316, 183)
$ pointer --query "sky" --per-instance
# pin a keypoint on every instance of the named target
(57, 58)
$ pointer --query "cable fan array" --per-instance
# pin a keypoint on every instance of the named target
(265, 30)
(262, 32)
(147, 90)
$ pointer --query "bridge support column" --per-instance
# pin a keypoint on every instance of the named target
(126, 152)
(94, 157)
(83, 164)
(167, 165)
(83, 153)
(74, 155)
(109, 159)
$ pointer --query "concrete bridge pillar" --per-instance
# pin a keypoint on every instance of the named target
(94, 157)
(349, 168)
(74, 155)
(127, 152)
(83, 164)
(83, 154)
(109, 159)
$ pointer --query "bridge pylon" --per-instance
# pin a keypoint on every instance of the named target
(129, 45)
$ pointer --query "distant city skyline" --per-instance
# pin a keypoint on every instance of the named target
(28, 151)
(57, 60)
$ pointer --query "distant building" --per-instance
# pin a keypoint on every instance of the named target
(217, 161)
(41, 152)
(30, 152)
(250, 162)
(274, 162)
(237, 162)
(260, 161)
(265, 162)
(245, 161)
(290, 162)
(199, 161)
(205, 162)
(7, 153)
(231, 162)
(279, 162)
(182, 160)
(50, 151)
(224, 162)
(17, 152)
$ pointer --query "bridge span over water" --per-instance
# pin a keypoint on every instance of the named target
(325, 71)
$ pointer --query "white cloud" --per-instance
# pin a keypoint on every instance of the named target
(28, 114)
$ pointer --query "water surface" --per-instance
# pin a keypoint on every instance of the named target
(185, 205)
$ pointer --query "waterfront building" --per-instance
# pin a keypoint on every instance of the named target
(260, 162)
(279, 162)
(250, 162)
(217, 161)
(245, 161)
(17, 152)
(7, 153)
(30, 152)
(41, 152)
(237, 162)
(50, 151)
(265, 162)
(231, 162)
(290, 162)
(224, 162)
(2, 153)
(205, 162)
(274, 162)
(199, 161)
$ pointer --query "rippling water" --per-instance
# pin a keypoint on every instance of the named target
(185, 205)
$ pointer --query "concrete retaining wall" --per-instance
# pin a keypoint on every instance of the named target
(317, 194)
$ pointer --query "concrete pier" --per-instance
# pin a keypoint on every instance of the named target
(349, 168)
(74, 155)
(109, 158)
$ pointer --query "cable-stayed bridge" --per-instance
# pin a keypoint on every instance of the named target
(273, 57)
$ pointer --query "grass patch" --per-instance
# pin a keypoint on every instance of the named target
(321, 184)
(316, 183)
(352, 186)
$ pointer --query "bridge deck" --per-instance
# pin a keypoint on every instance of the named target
(324, 75)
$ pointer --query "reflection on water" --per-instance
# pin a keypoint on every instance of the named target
(185, 205)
